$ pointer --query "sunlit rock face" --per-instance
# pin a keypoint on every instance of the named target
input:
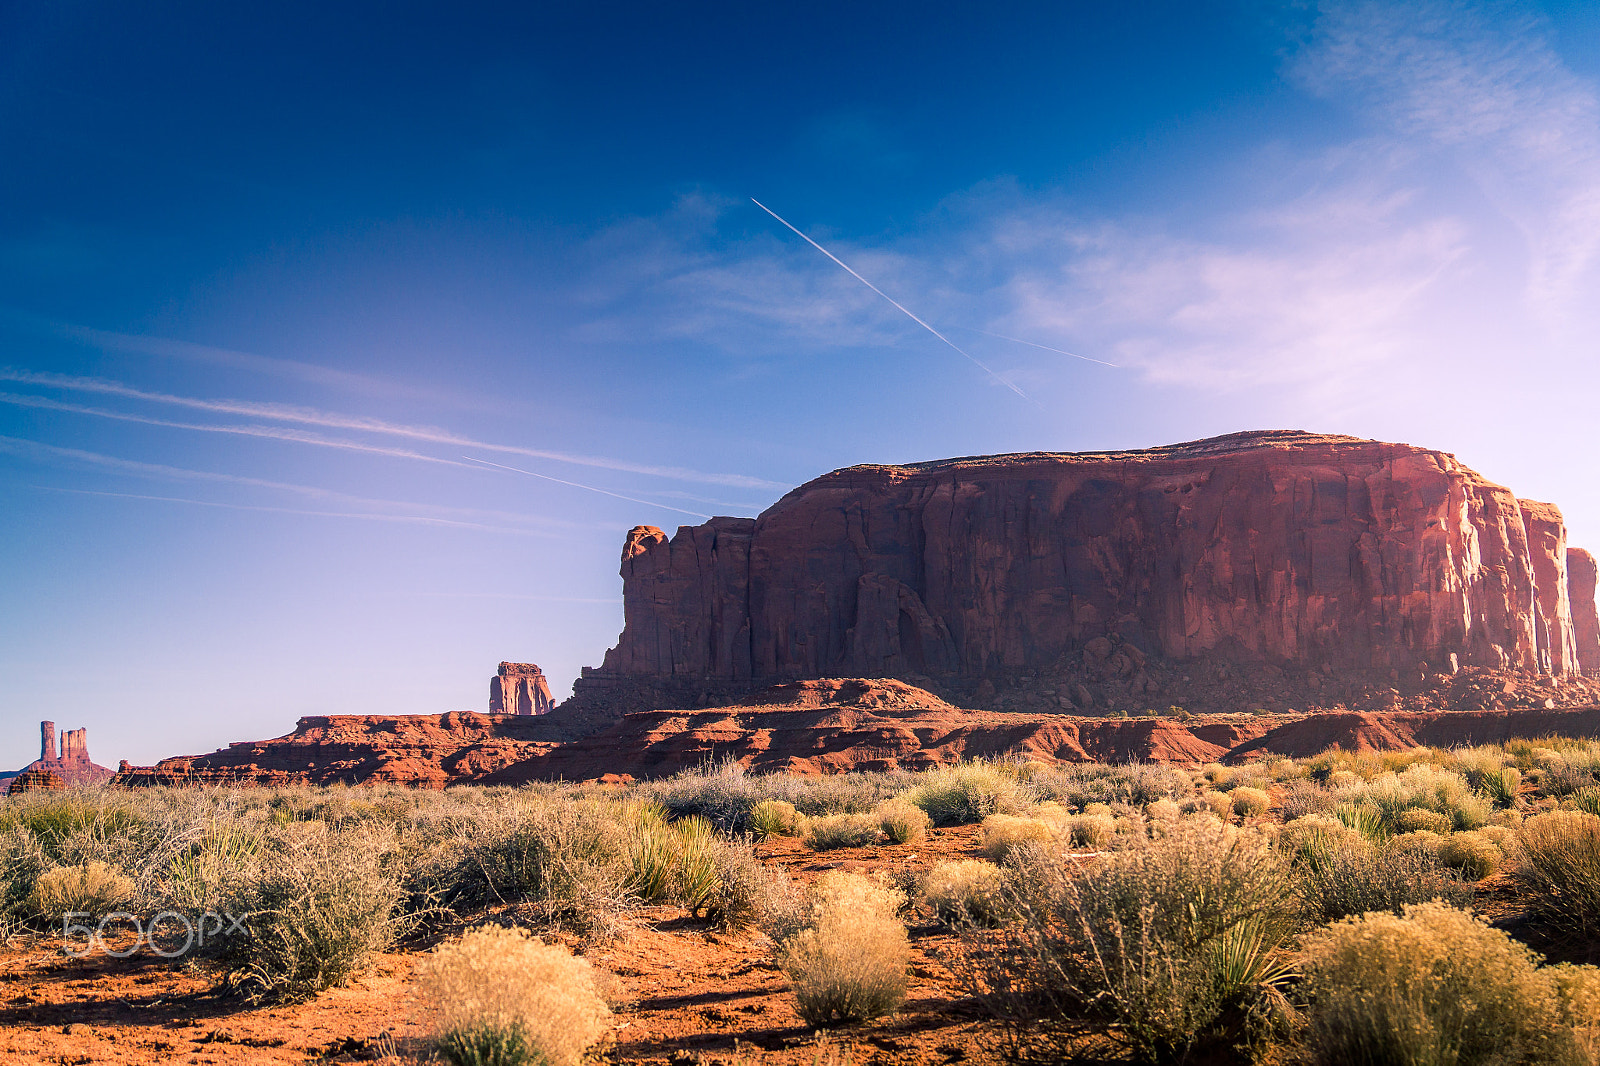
(519, 688)
(1335, 561)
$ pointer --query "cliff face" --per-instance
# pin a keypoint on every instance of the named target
(1276, 550)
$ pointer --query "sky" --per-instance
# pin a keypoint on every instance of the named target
(341, 344)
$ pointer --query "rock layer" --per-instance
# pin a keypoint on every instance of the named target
(806, 727)
(1366, 563)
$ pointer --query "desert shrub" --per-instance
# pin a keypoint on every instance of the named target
(674, 862)
(1001, 833)
(1343, 779)
(1301, 798)
(1474, 854)
(1426, 787)
(1081, 784)
(849, 963)
(1368, 821)
(314, 915)
(1344, 878)
(1502, 785)
(840, 831)
(565, 862)
(721, 793)
(498, 998)
(1222, 778)
(1421, 820)
(965, 891)
(1174, 940)
(744, 888)
(1312, 835)
(771, 818)
(900, 822)
(1162, 810)
(1091, 830)
(95, 888)
(22, 860)
(1250, 802)
(1433, 986)
(1559, 872)
(223, 856)
(79, 825)
(1418, 840)
(967, 793)
(1586, 800)
(1218, 803)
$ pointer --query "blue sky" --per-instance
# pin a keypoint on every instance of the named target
(279, 282)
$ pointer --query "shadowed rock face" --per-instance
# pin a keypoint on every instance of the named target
(1322, 555)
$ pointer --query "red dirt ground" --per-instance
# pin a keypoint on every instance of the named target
(689, 995)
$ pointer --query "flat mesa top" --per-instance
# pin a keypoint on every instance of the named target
(1278, 440)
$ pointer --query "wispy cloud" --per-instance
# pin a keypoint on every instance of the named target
(405, 519)
(1483, 83)
(360, 423)
(56, 455)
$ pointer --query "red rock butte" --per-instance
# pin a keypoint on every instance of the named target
(69, 767)
(1287, 567)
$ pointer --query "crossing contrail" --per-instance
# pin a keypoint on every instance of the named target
(591, 488)
(898, 306)
(1046, 347)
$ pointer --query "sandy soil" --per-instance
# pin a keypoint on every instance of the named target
(689, 994)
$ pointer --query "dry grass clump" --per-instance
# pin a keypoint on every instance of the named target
(1250, 802)
(848, 964)
(1000, 834)
(1560, 871)
(1091, 830)
(1162, 810)
(1173, 941)
(1421, 820)
(967, 793)
(901, 822)
(1218, 803)
(840, 831)
(1433, 986)
(565, 863)
(967, 891)
(1339, 877)
(771, 818)
(499, 998)
(95, 889)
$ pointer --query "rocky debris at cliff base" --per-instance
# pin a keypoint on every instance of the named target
(824, 726)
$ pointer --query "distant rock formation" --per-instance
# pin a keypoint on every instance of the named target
(1271, 570)
(807, 727)
(519, 688)
(69, 768)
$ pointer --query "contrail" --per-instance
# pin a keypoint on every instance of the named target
(898, 306)
(1046, 347)
(364, 424)
(591, 488)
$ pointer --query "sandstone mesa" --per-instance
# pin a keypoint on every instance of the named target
(1026, 602)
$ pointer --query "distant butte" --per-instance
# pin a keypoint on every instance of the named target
(71, 767)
